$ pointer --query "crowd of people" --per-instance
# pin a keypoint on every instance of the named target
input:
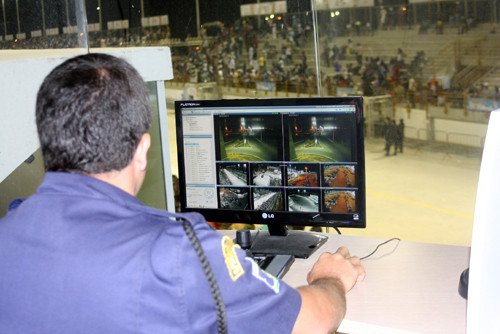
(242, 55)
(246, 53)
(275, 52)
(235, 61)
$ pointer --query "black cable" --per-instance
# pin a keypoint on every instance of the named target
(383, 243)
(256, 235)
(335, 228)
(220, 307)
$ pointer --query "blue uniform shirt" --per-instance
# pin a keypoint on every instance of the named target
(82, 256)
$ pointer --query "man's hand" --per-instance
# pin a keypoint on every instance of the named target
(339, 265)
(323, 300)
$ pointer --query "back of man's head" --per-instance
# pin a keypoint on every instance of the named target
(91, 112)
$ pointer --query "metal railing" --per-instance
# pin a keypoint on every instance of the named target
(443, 143)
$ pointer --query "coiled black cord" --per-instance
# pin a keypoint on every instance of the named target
(220, 307)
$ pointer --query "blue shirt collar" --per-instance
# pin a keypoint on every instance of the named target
(84, 185)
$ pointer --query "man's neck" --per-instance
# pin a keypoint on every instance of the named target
(121, 179)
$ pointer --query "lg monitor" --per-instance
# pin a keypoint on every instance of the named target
(275, 162)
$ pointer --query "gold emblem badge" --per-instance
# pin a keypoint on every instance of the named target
(233, 264)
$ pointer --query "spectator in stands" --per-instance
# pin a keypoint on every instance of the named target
(433, 88)
(338, 67)
(357, 26)
(288, 54)
(326, 54)
(383, 18)
(336, 52)
(369, 29)
(439, 26)
(359, 53)
(412, 86)
(400, 57)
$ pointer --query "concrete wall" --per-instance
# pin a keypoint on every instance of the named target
(440, 129)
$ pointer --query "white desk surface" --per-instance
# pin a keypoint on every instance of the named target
(410, 287)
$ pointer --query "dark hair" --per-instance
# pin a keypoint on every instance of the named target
(91, 112)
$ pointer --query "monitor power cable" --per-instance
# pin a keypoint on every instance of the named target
(378, 246)
(335, 228)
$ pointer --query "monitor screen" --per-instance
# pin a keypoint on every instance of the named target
(278, 162)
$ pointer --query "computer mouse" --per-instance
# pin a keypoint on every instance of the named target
(463, 285)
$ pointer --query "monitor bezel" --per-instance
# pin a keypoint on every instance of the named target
(313, 219)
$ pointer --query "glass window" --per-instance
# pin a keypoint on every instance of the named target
(431, 65)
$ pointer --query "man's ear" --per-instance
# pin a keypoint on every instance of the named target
(141, 152)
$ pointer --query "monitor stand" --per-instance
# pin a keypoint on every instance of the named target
(280, 240)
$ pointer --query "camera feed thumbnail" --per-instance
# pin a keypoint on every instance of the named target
(339, 176)
(320, 138)
(265, 175)
(302, 175)
(303, 200)
(232, 174)
(339, 201)
(268, 199)
(234, 198)
(248, 138)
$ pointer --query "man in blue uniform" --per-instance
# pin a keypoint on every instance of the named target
(83, 255)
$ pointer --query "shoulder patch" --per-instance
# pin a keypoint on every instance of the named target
(271, 281)
(234, 267)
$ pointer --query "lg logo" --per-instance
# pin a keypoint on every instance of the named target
(267, 215)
